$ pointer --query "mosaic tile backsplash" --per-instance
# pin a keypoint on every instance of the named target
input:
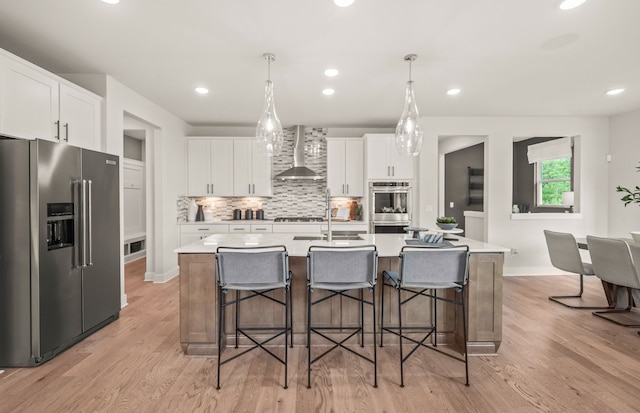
(290, 198)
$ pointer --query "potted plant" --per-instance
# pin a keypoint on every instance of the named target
(631, 196)
(446, 223)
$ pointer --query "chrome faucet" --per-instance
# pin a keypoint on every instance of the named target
(329, 233)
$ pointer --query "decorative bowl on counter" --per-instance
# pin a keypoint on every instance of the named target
(444, 226)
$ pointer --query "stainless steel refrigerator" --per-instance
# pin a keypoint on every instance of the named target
(59, 248)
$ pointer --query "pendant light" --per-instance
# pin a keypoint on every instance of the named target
(269, 135)
(408, 132)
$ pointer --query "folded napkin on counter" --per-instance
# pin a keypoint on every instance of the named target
(432, 238)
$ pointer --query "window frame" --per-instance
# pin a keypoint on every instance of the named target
(539, 181)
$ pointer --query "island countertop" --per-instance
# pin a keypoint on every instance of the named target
(388, 245)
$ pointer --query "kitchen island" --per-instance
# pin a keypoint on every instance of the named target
(199, 297)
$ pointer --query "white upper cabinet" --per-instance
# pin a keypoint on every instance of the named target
(79, 118)
(345, 167)
(383, 162)
(210, 167)
(35, 104)
(251, 169)
(29, 102)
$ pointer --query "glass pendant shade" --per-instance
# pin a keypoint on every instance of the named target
(408, 132)
(269, 134)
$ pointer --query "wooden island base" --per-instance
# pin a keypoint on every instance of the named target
(198, 307)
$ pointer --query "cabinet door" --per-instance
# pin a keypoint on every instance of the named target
(377, 148)
(79, 118)
(221, 167)
(198, 167)
(354, 167)
(260, 172)
(336, 158)
(242, 178)
(401, 165)
(28, 102)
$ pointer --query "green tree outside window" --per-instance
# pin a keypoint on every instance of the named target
(554, 178)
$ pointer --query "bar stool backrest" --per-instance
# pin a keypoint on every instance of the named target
(563, 251)
(341, 267)
(426, 267)
(251, 268)
(611, 259)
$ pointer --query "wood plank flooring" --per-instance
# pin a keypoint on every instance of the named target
(552, 359)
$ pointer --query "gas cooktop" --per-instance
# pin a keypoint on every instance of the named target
(298, 219)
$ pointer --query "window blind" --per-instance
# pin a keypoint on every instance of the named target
(554, 149)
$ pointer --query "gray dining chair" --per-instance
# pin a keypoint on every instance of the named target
(257, 271)
(424, 271)
(617, 262)
(564, 254)
(339, 270)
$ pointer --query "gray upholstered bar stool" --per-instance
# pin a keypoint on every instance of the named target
(613, 261)
(424, 271)
(564, 254)
(257, 270)
(338, 270)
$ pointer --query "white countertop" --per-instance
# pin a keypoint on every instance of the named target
(388, 245)
(265, 221)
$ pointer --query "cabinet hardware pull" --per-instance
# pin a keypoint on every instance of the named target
(347, 188)
(66, 128)
(393, 171)
(388, 170)
(254, 188)
(249, 188)
(57, 129)
(207, 188)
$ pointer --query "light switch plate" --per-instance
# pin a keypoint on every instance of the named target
(450, 204)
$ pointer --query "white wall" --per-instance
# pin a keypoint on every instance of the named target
(524, 235)
(624, 147)
(167, 168)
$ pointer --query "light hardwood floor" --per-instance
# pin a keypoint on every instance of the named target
(552, 359)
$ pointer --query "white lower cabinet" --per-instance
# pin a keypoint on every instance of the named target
(191, 233)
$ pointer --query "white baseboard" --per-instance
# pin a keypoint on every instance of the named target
(123, 301)
(528, 271)
(162, 278)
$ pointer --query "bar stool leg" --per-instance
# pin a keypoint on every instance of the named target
(361, 318)
(286, 336)
(220, 308)
(375, 353)
(435, 318)
(291, 314)
(237, 314)
(464, 328)
(309, 337)
(382, 314)
(400, 336)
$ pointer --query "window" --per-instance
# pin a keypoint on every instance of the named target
(553, 178)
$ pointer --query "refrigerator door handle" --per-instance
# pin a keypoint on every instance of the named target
(88, 242)
(83, 223)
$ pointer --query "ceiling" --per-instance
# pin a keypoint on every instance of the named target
(509, 57)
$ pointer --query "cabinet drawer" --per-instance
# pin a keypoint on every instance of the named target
(259, 228)
(239, 228)
(296, 228)
(205, 229)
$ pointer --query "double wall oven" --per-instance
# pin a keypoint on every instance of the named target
(390, 207)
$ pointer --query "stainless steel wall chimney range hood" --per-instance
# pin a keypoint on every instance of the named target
(299, 171)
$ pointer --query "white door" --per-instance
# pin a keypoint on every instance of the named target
(354, 167)
(260, 171)
(198, 167)
(221, 167)
(377, 157)
(336, 167)
(28, 102)
(242, 178)
(79, 118)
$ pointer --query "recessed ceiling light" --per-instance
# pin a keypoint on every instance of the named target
(331, 72)
(202, 90)
(613, 92)
(453, 92)
(343, 3)
(111, 1)
(328, 92)
(570, 4)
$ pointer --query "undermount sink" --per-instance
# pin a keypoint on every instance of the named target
(336, 237)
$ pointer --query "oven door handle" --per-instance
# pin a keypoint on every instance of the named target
(391, 223)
